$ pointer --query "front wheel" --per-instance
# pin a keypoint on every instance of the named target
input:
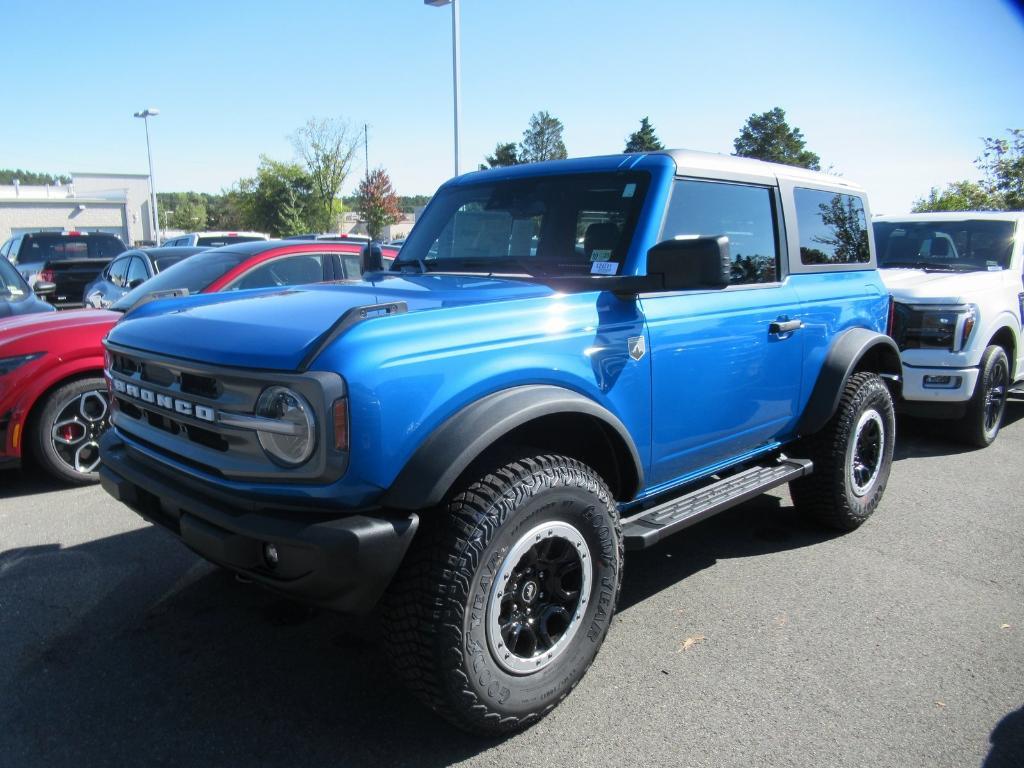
(980, 425)
(506, 597)
(852, 456)
(68, 429)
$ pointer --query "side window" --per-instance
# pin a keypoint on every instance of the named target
(15, 248)
(118, 272)
(298, 269)
(136, 271)
(744, 213)
(833, 227)
(351, 266)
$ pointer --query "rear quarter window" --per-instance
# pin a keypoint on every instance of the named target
(833, 228)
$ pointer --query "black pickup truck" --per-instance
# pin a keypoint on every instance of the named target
(70, 260)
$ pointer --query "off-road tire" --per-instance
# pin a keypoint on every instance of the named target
(40, 428)
(436, 612)
(830, 494)
(980, 424)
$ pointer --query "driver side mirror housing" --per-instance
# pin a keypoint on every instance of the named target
(372, 260)
(693, 263)
(44, 288)
(136, 282)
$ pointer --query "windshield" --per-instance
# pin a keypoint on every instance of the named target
(545, 225)
(192, 275)
(954, 246)
(219, 240)
(12, 287)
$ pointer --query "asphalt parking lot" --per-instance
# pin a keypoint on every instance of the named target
(749, 640)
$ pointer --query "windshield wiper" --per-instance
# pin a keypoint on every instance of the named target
(930, 266)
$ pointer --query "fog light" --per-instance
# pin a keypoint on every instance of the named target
(942, 382)
(271, 555)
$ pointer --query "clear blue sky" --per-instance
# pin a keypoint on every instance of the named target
(894, 94)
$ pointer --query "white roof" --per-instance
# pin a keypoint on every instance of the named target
(956, 216)
(714, 162)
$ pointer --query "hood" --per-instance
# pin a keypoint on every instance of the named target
(276, 329)
(47, 327)
(917, 286)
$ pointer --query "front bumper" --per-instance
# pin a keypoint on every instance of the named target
(914, 388)
(341, 562)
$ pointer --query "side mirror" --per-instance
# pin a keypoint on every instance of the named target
(701, 262)
(136, 282)
(44, 288)
(372, 260)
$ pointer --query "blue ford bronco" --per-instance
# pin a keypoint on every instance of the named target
(567, 360)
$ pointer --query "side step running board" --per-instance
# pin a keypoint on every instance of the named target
(652, 525)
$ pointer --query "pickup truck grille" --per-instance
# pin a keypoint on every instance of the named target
(915, 328)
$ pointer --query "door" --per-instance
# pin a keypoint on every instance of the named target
(726, 364)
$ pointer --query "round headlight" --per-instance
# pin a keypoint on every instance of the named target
(294, 443)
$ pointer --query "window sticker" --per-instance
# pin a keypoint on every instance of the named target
(629, 190)
(604, 268)
(600, 254)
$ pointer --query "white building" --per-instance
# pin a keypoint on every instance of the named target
(117, 203)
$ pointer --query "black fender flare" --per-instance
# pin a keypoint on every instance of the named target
(449, 449)
(841, 360)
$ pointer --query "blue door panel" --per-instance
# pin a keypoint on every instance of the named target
(722, 385)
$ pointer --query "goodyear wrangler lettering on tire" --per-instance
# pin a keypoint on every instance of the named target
(501, 608)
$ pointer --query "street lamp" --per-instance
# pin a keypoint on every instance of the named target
(455, 65)
(145, 114)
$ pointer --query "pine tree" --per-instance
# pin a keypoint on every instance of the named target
(643, 140)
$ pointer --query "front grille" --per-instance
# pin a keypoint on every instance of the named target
(930, 328)
(194, 414)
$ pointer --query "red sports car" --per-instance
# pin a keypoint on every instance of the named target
(53, 399)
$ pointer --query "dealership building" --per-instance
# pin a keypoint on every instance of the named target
(117, 203)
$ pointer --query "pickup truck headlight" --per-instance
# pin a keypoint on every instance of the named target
(8, 364)
(293, 444)
(934, 327)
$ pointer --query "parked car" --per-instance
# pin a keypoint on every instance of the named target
(69, 260)
(16, 298)
(334, 236)
(957, 283)
(478, 433)
(130, 270)
(213, 239)
(53, 400)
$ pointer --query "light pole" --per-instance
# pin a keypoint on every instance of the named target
(145, 114)
(456, 77)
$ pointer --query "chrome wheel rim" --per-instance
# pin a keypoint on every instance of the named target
(995, 396)
(868, 450)
(539, 597)
(75, 433)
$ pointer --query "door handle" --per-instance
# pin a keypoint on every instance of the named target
(780, 327)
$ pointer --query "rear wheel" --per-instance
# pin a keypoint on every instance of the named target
(507, 595)
(980, 425)
(852, 456)
(68, 429)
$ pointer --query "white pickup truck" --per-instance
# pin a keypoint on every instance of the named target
(956, 279)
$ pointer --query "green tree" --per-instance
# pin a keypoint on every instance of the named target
(1002, 162)
(279, 199)
(542, 140)
(8, 175)
(377, 203)
(768, 136)
(504, 154)
(326, 148)
(958, 196)
(643, 140)
(189, 215)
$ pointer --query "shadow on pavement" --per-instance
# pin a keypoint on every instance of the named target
(1007, 742)
(759, 527)
(181, 664)
(25, 482)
